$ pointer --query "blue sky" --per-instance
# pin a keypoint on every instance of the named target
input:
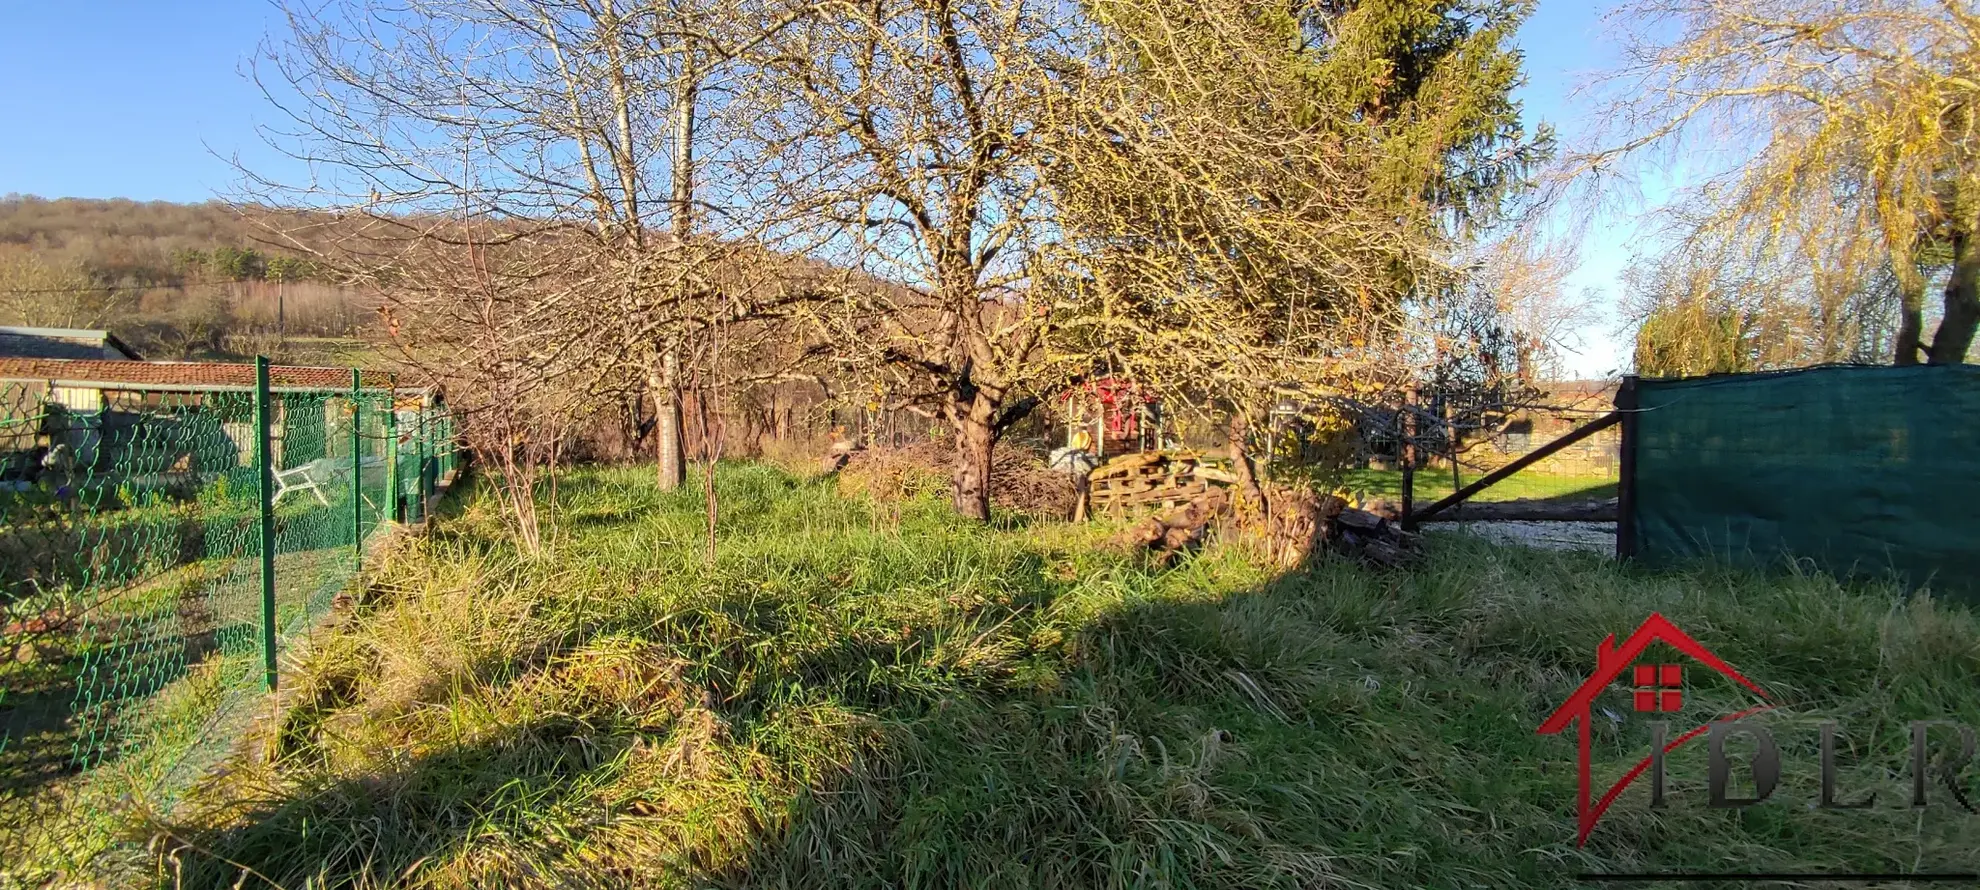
(1566, 43)
(147, 100)
(125, 99)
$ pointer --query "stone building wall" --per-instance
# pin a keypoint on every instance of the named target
(1568, 405)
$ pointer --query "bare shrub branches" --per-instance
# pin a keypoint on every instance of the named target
(515, 180)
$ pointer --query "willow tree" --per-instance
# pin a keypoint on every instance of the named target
(1712, 304)
(1256, 197)
(1856, 129)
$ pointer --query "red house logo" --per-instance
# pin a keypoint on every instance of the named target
(1658, 688)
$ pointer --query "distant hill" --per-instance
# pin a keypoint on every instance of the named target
(141, 243)
(176, 281)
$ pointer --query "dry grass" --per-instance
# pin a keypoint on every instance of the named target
(855, 696)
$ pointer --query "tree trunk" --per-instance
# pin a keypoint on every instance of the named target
(670, 453)
(1911, 306)
(974, 441)
(1962, 315)
(671, 447)
(1247, 475)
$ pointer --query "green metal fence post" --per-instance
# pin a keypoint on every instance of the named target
(421, 486)
(392, 453)
(264, 462)
(357, 476)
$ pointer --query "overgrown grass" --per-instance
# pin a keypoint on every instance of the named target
(121, 710)
(1432, 484)
(876, 696)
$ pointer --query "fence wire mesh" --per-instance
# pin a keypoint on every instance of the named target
(1437, 442)
(160, 550)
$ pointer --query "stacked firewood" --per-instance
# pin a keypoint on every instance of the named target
(1370, 537)
(1179, 531)
(1299, 525)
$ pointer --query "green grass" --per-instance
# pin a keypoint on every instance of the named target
(871, 696)
(1432, 484)
(150, 688)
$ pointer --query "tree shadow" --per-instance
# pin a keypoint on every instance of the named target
(967, 753)
(1056, 770)
(67, 710)
(415, 812)
(1045, 737)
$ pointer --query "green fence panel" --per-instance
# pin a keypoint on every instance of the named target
(1858, 471)
(132, 617)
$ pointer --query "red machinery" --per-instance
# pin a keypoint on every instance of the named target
(1128, 416)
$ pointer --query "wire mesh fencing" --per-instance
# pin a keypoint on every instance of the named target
(1511, 459)
(162, 545)
(1516, 455)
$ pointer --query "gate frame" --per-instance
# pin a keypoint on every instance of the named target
(1624, 414)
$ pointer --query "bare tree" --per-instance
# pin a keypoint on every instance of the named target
(33, 292)
(905, 135)
(1524, 270)
(552, 146)
(521, 141)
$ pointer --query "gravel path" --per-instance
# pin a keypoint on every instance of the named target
(1598, 536)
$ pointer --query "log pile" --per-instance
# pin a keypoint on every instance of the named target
(1370, 538)
(1153, 480)
(1302, 524)
(1179, 531)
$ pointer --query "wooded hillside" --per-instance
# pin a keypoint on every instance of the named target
(177, 281)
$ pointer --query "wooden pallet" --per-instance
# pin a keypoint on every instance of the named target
(1152, 480)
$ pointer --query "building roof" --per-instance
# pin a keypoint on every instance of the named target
(101, 374)
(71, 343)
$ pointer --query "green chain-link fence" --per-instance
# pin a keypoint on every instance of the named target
(164, 541)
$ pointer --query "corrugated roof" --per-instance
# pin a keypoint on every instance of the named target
(168, 375)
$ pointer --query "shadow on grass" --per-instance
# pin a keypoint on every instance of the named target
(1592, 492)
(1219, 741)
(1189, 742)
(1432, 485)
(415, 813)
(64, 709)
(1107, 727)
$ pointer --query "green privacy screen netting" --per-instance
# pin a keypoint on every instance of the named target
(1864, 472)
